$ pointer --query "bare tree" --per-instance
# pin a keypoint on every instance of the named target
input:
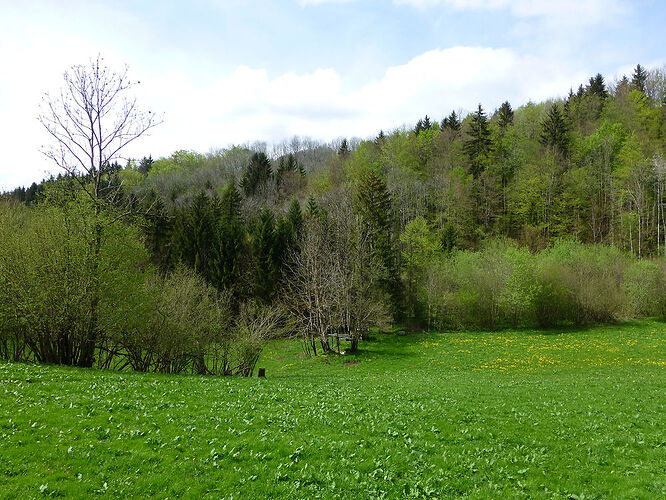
(91, 121)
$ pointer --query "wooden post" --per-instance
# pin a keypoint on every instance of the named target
(262, 372)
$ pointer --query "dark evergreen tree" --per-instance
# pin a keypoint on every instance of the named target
(639, 78)
(374, 207)
(597, 87)
(381, 137)
(343, 150)
(555, 131)
(158, 231)
(419, 127)
(197, 234)
(313, 207)
(449, 236)
(257, 174)
(262, 232)
(427, 125)
(452, 122)
(478, 145)
(229, 248)
(505, 115)
(145, 165)
(295, 217)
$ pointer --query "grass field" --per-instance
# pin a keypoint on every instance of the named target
(571, 414)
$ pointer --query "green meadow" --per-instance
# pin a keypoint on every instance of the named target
(510, 414)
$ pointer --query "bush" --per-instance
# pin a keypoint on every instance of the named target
(644, 289)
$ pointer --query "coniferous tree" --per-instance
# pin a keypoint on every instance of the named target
(196, 233)
(159, 232)
(555, 131)
(313, 207)
(505, 115)
(597, 87)
(452, 122)
(374, 206)
(419, 127)
(427, 125)
(145, 165)
(478, 145)
(263, 234)
(257, 174)
(639, 78)
(229, 247)
(295, 217)
(343, 150)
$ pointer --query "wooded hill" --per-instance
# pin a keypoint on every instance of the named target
(478, 220)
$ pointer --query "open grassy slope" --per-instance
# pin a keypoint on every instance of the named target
(485, 415)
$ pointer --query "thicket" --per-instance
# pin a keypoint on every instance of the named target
(63, 302)
(503, 285)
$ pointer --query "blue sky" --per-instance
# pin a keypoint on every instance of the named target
(231, 71)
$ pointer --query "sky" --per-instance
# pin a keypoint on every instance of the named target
(224, 72)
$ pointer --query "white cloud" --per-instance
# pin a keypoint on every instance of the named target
(248, 105)
(575, 11)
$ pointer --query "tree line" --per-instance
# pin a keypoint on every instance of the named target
(552, 213)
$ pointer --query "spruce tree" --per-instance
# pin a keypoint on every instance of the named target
(639, 78)
(229, 248)
(374, 206)
(295, 217)
(419, 127)
(505, 115)
(478, 145)
(257, 174)
(427, 125)
(453, 122)
(262, 230)
(597, 87)
(343, 150)
(195, 234)
(555, 131)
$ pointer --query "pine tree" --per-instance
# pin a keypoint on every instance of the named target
(343, 150)
(479, 144)
(229, 248)
(230, 203)
(381, 137)
(597, 87)
(639, 78)
(427, 125)
(313, 207)
(419, 127)
(295, 217)
(158, 232)
(374, 206)
(196, 234)
(453, 122)
(555, 131)
(257, 174)
(505, 115)
(262, 230)
(145, 165)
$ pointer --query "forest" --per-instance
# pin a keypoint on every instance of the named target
(546, 215)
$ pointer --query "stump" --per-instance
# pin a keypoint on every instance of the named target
(262, 372)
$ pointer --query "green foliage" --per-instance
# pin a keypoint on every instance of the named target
(257, 174)
(555, 131)
(505, 115)
(478, 145)
(639, 78)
